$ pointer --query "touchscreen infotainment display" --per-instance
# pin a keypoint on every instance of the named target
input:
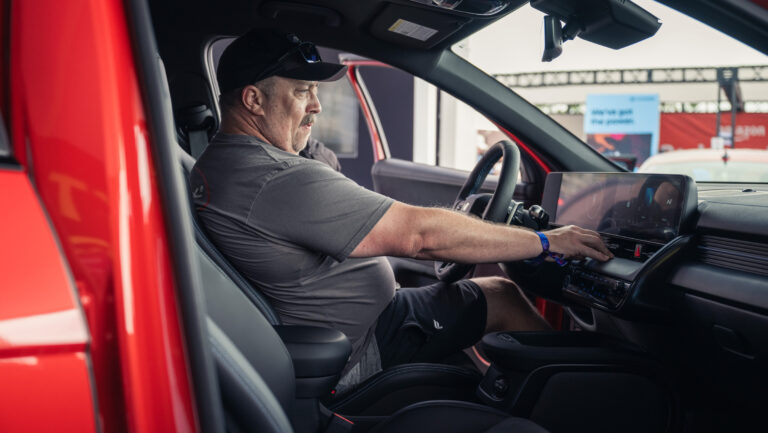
(638, 206)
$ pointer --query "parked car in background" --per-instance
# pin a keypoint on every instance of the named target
(712, 165)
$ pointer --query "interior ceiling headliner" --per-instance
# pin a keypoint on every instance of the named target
(200, 19)
(182, 20)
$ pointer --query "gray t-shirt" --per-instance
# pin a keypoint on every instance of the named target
(288, 224)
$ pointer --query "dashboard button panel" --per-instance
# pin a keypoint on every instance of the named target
(599, 289)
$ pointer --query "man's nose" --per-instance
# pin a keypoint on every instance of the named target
(314, 105)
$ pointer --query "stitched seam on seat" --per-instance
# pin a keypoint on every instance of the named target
(255, 396)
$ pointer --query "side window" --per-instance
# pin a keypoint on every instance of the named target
(425, 125)
(339, 124)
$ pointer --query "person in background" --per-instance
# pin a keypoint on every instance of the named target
(317, 150)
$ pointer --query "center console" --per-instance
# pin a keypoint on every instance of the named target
(575, 382)
(318, 356)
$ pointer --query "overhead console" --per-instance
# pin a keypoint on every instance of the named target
(426, 23)
(644, 219)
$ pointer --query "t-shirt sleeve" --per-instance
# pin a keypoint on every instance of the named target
(312, 206)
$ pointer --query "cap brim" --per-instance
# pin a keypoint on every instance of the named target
(319, 71)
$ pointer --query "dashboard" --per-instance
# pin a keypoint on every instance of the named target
(645, 219)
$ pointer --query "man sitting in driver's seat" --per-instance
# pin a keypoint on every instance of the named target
(314, 241)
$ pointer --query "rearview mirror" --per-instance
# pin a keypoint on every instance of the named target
(553, 38)
(610, 23)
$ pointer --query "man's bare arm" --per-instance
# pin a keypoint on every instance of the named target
(441, 234)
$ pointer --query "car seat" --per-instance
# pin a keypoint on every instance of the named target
(380, 395)
(259, 385)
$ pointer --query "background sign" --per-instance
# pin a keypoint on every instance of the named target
(695, 130)
(623, 125)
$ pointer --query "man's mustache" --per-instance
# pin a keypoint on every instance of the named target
(309, 118)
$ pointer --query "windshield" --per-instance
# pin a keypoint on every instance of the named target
(664, 95)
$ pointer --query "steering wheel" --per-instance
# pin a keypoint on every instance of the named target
(469, 202)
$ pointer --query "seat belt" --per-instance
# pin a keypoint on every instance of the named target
(196, 123)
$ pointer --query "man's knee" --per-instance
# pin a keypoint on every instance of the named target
(507, 306)
(495, 286)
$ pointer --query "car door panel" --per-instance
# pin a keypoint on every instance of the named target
(426, 185)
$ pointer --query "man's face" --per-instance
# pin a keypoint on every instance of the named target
(290, 110)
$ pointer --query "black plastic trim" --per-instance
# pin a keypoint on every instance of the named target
(6, 152)
(738, 19)
(157, 104)
(740, 216)
(740, 289)
(10, 166)
(525, 401)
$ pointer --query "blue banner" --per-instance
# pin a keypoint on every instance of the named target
(623, 125)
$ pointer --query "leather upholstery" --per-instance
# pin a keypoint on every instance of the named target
(248, 400)
(250, 332)
(453, 417)
(402, 385)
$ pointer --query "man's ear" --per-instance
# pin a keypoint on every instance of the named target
(253, 99)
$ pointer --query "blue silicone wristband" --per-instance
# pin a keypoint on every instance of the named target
(544, 253)
(558, 258)
(544, 242)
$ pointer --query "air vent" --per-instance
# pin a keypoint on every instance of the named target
(734, 254)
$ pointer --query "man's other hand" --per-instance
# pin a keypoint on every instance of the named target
(577, 243)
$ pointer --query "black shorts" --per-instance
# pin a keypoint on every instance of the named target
(427, 324)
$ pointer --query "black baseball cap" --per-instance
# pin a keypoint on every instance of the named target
(262, 53)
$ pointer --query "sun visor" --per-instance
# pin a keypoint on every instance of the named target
(414, 27)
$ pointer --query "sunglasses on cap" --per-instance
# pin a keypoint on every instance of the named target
(306, 50)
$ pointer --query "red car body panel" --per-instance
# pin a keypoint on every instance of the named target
(43, 334)
(79, 131)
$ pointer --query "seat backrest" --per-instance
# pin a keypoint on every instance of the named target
(250, 356)
(210, 253)
(248, 401)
